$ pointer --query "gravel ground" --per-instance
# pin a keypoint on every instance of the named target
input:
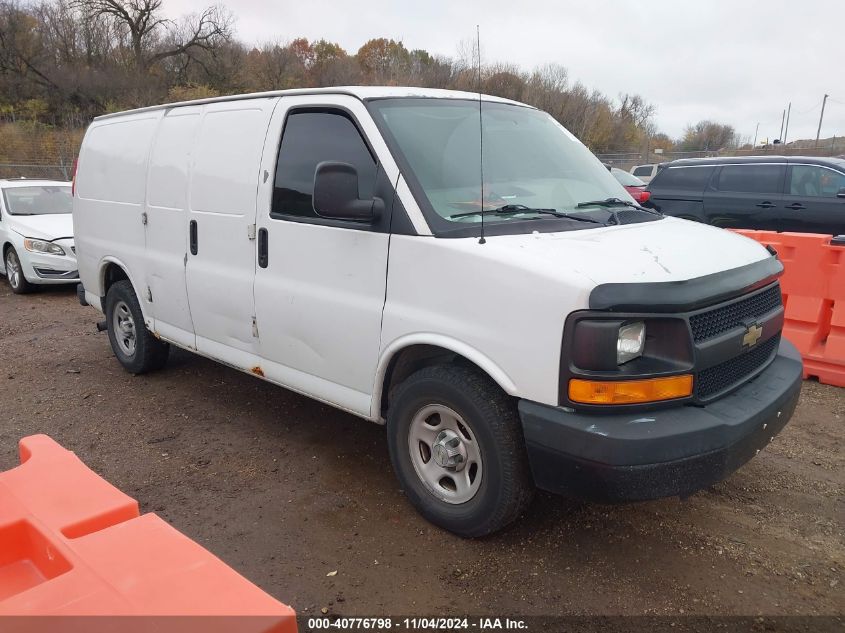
(286, 490)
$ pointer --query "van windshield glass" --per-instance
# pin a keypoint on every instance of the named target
(532, 165)
(38, 200)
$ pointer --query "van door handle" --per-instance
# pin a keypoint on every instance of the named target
(262, 248)
(193, 237)
(795, 206)
(765, 205)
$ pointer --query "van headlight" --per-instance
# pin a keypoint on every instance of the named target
(42, 246)
(630, 342)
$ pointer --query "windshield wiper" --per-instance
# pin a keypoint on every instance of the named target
(510, 209)
(616, 202)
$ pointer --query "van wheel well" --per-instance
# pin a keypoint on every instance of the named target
(410, 360)
(6, 247)
(111, 275)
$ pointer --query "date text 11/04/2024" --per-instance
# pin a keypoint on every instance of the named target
(416, 624)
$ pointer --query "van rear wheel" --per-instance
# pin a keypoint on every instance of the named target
(132, 343)
(457, 448)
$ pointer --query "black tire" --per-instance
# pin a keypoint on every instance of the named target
(148, 353)
(17, 282)
(506, 487)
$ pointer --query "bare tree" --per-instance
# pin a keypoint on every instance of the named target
(22, 52)
(150, 38)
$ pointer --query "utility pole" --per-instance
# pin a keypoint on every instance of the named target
(756, 129)
(786, 129)
(821, 116)
(782, 118)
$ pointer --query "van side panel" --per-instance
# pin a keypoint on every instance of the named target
(167, 223)
(225, 166)
(109, 200)
(501, 305)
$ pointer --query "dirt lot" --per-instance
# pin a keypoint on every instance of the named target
(286, 490)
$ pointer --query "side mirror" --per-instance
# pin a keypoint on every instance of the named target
(841, 193)
(336, 194)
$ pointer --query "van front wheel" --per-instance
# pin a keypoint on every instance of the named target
(456, 445)
(132, 343)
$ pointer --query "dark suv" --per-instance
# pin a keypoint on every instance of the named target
(773, 193)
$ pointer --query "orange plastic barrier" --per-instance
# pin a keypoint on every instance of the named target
(71, 544)
(813, 286)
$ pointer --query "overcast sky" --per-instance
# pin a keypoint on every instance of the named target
(733, 61)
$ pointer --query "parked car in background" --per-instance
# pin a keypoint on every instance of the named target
(645, 172)
(36, 233)
(632, 184)
(774, 193)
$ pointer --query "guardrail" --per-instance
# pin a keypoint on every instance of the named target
(813, 287)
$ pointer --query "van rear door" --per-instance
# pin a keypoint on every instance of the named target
(220, 267)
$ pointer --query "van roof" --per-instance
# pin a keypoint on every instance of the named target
(361, 92)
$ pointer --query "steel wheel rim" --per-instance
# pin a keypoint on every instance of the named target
(123, 326)
(445, 453)
(13, 269)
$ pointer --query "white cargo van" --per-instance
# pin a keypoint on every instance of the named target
(547, 332)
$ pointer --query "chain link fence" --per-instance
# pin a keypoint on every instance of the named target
(34, 150)
(628, 159)
(38, 151)
(33, 171)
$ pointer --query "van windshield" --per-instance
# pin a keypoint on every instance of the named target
(38, 200)
(532, 164)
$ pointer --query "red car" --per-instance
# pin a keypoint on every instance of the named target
(632, 184)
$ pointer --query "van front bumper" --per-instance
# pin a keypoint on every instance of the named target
(670, 452)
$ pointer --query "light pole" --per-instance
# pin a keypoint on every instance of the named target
(821, 116)
(786, 129)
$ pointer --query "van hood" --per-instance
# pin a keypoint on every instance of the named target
(48, 226)
(665, 250)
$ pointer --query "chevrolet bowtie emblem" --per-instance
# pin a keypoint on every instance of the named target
(752, 335)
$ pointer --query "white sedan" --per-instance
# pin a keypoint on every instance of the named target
(36, 233)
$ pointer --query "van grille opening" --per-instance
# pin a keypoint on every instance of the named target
(706, 325)
(713, 381)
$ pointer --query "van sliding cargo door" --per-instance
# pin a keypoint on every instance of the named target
(220, 268)
(166, 223)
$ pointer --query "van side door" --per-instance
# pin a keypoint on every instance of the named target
(320, 283)
(810, 204)
(166, 222)
(220, 268)
(746, 196)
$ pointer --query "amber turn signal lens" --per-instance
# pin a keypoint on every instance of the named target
(629, 391)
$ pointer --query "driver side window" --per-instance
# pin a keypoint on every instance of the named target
(309, 138)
